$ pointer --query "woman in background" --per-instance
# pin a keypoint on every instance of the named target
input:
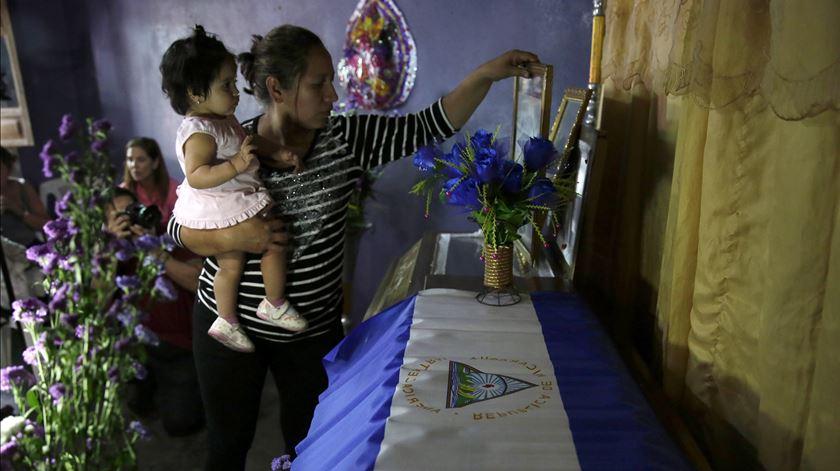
(22, 214)
(146, 176)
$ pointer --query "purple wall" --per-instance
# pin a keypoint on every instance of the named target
(126, 39)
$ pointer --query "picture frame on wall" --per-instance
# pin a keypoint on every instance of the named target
(531, 106)
(15, 127)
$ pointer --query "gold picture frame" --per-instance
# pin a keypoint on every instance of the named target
(566, 127)
(531, 106)
(15, 127)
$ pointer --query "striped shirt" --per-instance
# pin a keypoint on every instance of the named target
(313, 206)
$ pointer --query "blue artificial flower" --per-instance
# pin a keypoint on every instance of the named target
(487, 165)
(539, 153)
(68, 127)
(425, 157)
(454, 157)
(15, 375)
(164, 289)
(511, 177)
(464, 193)
(57, 391)
(49, 159)
(29, 310)
(541, 191)
(482, 139)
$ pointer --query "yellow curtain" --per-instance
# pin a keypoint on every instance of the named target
(722, 118)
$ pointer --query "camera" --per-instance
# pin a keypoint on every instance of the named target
(144, 216)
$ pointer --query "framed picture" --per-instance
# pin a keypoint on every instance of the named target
(15, 128)
(566, 127)
(531, 106)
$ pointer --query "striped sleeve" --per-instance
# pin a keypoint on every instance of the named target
(174, 231)
(376, 140)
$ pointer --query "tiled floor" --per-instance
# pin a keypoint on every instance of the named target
(165, 453)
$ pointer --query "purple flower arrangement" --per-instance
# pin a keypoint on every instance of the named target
(501, 195)
(89, 333)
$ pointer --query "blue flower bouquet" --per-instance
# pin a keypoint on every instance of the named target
(500, 195)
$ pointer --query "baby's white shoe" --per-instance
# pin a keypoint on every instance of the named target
(230, 335)
(285, 315)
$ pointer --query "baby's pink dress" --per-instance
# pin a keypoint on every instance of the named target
(233, 201)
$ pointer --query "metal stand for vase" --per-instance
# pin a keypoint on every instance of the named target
(498, 277)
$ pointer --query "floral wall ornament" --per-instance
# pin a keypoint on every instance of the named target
(380, 59)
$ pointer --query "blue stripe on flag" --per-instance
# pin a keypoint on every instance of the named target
(355, 408)
(612, 425)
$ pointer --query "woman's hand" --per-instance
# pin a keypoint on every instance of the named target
(510, 64)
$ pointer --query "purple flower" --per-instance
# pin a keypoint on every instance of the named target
(29, 310)
(68, 127)
(138, 428)
(63, 205)
(69, 320)
(15, 375)
(464, 193)
(113, 374)
(57, 391)
(58, 228)
(511, 176)
(37, 429)
(7, 451)
(164, 289)
(144, 335)
(541, 192)
(147, 242)
(59, 298)
(128, 282)
(122, 344)
(139, 370)
(281, 463)
(152, 261)
(539, 153)
(49, 159)
(34, 351)
(44, 255)
(101, 125)
(81, 330)
(124, 249)
(425, 157)
(167, 242)
(99, 146)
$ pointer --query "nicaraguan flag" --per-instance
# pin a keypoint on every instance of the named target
(441, 382)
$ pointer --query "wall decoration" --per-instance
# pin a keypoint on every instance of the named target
(380, 59)
(531, 106)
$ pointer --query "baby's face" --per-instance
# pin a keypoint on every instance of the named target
(223, 95)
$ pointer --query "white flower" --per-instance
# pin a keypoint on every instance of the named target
(10, 426)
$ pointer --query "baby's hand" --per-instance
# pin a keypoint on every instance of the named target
(247, 153)
(287, 158)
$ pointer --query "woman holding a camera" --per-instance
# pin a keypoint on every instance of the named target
(146, 176)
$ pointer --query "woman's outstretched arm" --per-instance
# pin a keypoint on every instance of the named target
(461, 103)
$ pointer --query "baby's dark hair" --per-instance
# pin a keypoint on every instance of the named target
(189, 67)
(281, 54)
